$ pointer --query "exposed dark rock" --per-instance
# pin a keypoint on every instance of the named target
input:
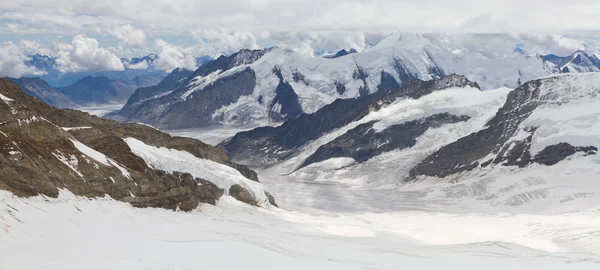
(242, 195)
(339, 87)
(363, 142)
(360, 74)
(299, 77)
(286, 104)
(555, 153)
(341, 53)
(403, 72)
(387, 82)
(271, 199)
(435, 70)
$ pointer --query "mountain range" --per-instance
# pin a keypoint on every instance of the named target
(256, 87)
(87, 91)
(502, 147)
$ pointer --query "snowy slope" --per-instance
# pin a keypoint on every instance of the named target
(171, 160)
(74, 233)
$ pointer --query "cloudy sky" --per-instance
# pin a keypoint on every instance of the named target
(93, 35)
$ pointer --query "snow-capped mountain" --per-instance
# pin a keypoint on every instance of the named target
(277, 84)
(45, 151)
(443, 139)
(578, 62)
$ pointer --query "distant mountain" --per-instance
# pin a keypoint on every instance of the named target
(46, 150)
(134, 67)
(578, 62)
(274, 85)
(341, 53)
(38, 88)
(97, 91)
(166, 86)
(145, 81)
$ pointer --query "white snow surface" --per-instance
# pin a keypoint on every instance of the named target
(171, 160)
(75, 233)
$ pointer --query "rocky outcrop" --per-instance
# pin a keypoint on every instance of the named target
(498, 143)
(555, 153)
(364, 142)
(273, 144)
(43, 150)
(242, 195)
(285, 105)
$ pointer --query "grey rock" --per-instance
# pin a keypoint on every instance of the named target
(363, 142)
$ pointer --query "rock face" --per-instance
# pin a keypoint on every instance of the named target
(38, 88)
(578, 62)
(273, 144)
(363, 142)
(505, 140)
(318, 81)
(168, 84)
(342, 52)
(43, 149)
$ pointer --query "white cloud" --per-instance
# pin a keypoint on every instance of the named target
(12, 62)
(84, 54)
(177, 17)
(222, 41)
(31, 47)
(140, 65)
(171, 57)
(130, 35)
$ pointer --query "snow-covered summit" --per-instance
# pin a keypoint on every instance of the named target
(260, 86)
